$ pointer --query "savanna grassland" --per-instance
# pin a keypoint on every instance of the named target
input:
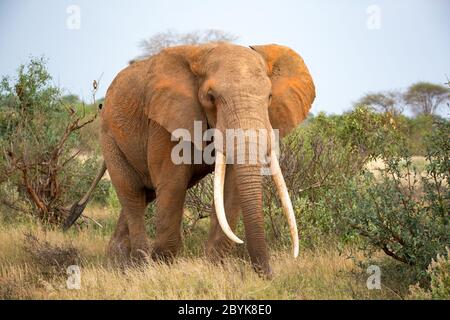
(323, 273)
(369, 187)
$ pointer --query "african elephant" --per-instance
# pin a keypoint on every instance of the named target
(224, 86)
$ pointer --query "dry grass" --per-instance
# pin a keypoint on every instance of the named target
(324, 274)
(375, 166)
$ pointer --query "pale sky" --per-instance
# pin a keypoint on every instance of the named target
(350, 46)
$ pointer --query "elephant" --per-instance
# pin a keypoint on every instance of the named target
(222, 86)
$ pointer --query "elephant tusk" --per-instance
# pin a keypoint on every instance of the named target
(219, 181)
(285, 200)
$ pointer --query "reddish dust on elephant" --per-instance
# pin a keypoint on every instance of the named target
(224, 86)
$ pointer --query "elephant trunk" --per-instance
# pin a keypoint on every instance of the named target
(249, 188)
(243, 148)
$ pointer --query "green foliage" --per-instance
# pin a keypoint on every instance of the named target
(318, 159)
(423, 99)
(439, 273)
(416, 130)
(39, 142)
(71, 99)
(352, 180)
(399, 210)
(29, 104)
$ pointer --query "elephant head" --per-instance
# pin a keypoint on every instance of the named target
(233, 87)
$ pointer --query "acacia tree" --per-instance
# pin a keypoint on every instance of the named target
(385, 102)
(426, 98)
(170, 38)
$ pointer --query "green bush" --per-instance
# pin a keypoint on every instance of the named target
(41, 172)
(439, 273)
(401, 211)
(317, 160)
(339, 199)
(417, 129)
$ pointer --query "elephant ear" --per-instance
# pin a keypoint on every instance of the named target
(172, 91)
(293, 90)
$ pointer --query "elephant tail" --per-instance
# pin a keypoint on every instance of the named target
(77, 208)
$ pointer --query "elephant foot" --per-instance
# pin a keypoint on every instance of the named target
(219, 247)
(140, 249)
(119, 246)
(218, 254)
(163, 257)
(164, 254)
(119, 249)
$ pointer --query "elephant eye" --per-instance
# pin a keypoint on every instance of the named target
(270, 98)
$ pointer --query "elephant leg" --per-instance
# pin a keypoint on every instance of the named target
(219, 245)
(132, 197)
(119, 247)
(170, 196)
